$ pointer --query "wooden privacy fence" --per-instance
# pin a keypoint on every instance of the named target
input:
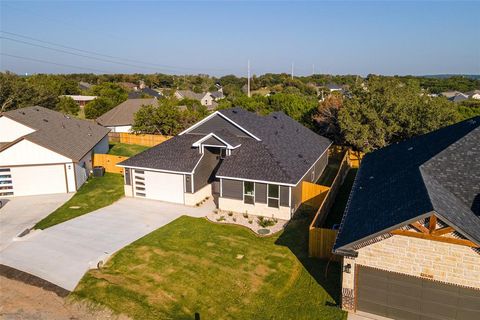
(354, 158)
(109, 162)
(313, 194)
(148, 140)
(321, 241)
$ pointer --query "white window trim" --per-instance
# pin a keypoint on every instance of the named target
(268, 196)
(243, 195)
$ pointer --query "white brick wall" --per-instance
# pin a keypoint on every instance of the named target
(435, 260)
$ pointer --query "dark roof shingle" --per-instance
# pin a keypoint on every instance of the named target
(436, 172)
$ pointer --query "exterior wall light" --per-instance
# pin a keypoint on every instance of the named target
(347, 268)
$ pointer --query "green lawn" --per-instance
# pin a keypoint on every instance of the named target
(219, 271)
(96, 192)
(338, 208)
(126, 150)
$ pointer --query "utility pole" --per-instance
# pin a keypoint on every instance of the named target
(293, 65)
(248, 78)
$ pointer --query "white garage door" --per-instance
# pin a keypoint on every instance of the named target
(34, 180)
(160, 186)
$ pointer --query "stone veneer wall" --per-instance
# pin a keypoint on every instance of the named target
(449, 263)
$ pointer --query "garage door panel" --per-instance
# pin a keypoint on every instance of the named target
(43, 179)
(408, 297)
(164, 186)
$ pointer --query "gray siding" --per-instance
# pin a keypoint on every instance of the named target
(284, 196)
(204, 169)
(319, 166)
(188, 183)
(218, 123)
(232, 189)
(260, 192)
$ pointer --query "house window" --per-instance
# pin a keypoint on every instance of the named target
(248, 192)
(127, 177)
(273, 195)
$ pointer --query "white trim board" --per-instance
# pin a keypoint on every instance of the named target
(211, 134)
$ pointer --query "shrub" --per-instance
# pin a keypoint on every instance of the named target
(230, 213)
(250, 221)
(245, 215)
(222, 218)
(234, 219)
(265, 222)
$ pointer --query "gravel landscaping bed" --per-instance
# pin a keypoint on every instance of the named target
(260, 225)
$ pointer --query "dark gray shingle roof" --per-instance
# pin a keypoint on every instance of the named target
(436, 172)
(124, 113)
(175, 154)
(65, 135)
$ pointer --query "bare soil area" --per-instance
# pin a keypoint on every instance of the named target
(23, 301)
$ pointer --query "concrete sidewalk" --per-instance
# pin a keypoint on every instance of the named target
(63, 253)
(21, 213)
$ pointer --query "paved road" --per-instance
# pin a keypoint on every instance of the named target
(63, 253)
(21, 213)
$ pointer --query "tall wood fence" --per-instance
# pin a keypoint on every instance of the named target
(313, 194)
(321, 241)
(148, 140)
(109, 162)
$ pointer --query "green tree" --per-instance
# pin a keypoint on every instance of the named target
(97, 107)
(162, 119)
(388, 110)
(68, 105)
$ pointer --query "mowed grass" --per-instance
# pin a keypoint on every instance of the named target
(96, 193)
(126, 150)
(218, 271)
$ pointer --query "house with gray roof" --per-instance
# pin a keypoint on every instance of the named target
(44, 151)
(205, 98)
(247, 162)
(120, 118)
(410, 234)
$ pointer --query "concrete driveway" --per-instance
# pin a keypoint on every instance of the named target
(63, 253)
(21, 213)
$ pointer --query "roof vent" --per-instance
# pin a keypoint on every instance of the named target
(275, 117)
(276, 133)
(300, 155)
(234, 111)
(371, 177)
(89, 134)
(22, 112)
(37, 109)
(410, 148)
(45, 120)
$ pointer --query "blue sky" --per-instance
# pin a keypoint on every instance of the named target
(219, 37)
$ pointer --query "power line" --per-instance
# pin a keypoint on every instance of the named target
(143, 64)
(53, 63)
(75, 54)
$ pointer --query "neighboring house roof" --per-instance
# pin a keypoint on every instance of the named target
(459, 97)
(84, 85)
(65, 135)
(470, 94)
(276, 149)
(124, 113)
(334, 86)
(80, 98)
(188, 94)
(151, 92)
(217, 95)
(450, 94)
(438, 173)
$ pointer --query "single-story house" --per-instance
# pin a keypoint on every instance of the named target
(44, 151)
(81, 100)
(247, 162)
(475, 94)
(120, 118)
(410, 234)
(205, 98)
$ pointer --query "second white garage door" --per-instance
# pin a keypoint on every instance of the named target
(164, 186)
(32, 180)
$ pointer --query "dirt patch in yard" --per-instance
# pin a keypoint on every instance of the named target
(19, 300)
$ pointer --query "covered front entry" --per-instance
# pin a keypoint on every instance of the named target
(398, 296)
